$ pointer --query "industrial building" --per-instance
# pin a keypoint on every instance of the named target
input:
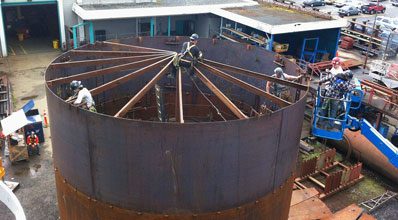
(309, 36)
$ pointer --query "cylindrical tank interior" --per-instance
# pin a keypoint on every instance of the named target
(213, 166)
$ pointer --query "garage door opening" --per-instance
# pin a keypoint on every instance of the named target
(31, 28)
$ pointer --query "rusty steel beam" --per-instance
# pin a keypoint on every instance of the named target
(122, 112)
(257, 75)
(96, 62)
(247, 86)
(381, 88)
(100, 72)
(110, 53)
(136, 48)
(237, 112)
(130, 76)
(179, 113)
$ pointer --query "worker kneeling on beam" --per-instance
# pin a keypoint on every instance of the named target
(334, 97)
(280, 90)
(84, 98)
(188, 57)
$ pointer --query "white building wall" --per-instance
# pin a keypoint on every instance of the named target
(207, 25)
(116, 28)
(69, 16)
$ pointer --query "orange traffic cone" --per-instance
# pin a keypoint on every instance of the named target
(45, 119)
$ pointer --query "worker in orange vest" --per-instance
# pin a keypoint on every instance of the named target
(33, 144)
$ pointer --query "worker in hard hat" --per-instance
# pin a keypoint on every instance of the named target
(280, 90)
(336, 67)
(33, 144)
(83, 96)
(189, 55)
(335, 94)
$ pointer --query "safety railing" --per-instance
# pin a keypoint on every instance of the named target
(330, 115)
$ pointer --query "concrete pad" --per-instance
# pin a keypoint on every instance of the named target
(36, 192)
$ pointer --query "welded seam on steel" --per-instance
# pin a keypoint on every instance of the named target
(220, 214)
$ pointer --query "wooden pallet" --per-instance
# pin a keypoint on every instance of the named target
(18, 152)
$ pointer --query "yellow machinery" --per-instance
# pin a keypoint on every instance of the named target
(280, 48)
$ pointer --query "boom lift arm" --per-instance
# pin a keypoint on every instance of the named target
(381, 143)
(351, 101)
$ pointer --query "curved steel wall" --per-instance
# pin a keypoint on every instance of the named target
(171, 168)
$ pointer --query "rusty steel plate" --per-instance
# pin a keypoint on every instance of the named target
(171, 168)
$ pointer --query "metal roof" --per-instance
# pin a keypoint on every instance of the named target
(117, 11)
(265, 18)
(157, 4)
(274, 15)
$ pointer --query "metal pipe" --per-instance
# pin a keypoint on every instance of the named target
(365, 151)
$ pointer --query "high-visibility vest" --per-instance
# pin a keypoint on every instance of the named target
(188, 50)
(32, 140)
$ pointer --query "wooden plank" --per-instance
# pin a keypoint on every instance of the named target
(362, 34)
(100, 72)
(316, 182)
(302, 195)
(128, 77)
(261, 76)
(312, 208)
(361, 38)
(300, 185)
(324, 173)
(223, 98)
(143, 91)
(305, 146)
(18, 152)
(280, 102)
(351, 212)
(245, 36)
(179, 112)
(349, 63)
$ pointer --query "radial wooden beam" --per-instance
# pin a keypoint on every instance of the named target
(109, 70)
(237, 112)
(179, 113)
(111, 53)
(97, 62)
(247, 86)
(257, 75)
(135, 48)
(126, 78)
(143, 91)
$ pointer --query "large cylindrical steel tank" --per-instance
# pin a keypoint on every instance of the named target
(117, 168)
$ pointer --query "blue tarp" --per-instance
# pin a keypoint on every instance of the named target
(28, 106)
